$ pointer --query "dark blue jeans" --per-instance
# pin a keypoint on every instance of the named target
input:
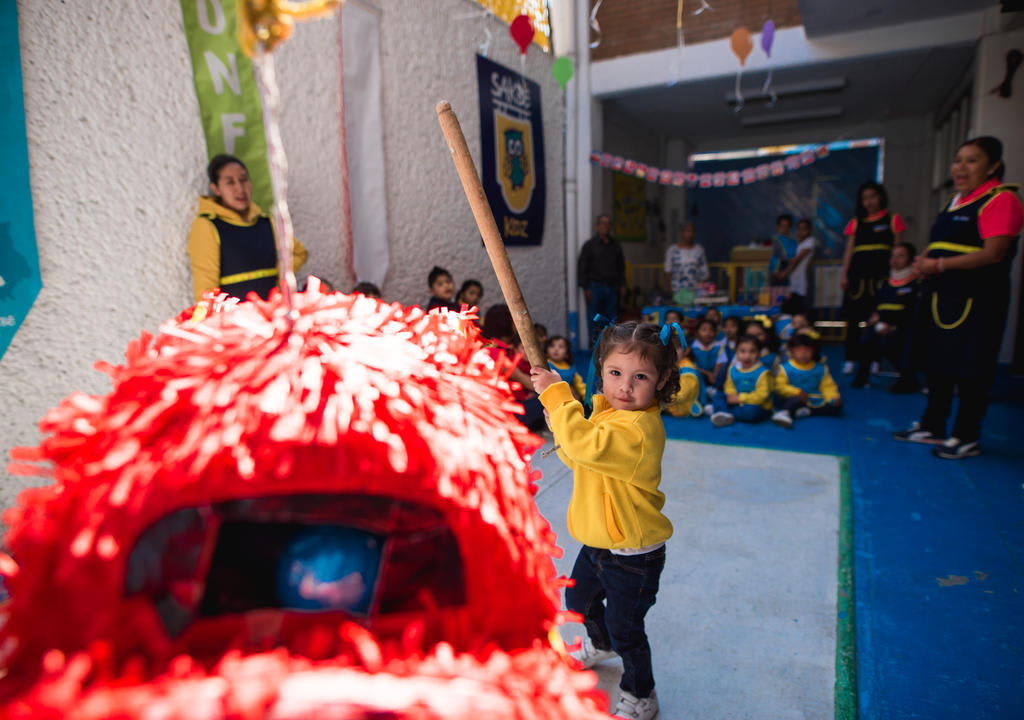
(628, 585)
(744, 412)
(604, 300)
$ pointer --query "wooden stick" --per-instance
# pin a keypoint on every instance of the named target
(489, 231)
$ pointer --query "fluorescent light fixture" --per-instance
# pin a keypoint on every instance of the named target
(822, 113)
(810, 87)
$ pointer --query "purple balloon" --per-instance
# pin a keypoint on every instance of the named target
(767, 37)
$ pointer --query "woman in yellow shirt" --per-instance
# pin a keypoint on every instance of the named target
(232, 244)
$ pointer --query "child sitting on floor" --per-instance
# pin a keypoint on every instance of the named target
(730, 332)
(673, 316)
(471, 293)
(442, 289)
(715, 315)
(692, 395)
(803, 383)
(706, 349)
(747, 395)
(799, 322)
(762, 328)
(560, 360)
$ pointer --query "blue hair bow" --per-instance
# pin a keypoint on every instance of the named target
(602, 322)
(666, 334)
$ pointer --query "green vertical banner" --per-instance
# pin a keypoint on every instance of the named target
(20, 281)
(229, 100)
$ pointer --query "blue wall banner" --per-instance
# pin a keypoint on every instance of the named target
(512, 151)
(20, 281)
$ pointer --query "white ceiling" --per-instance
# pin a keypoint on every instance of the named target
(876, 88)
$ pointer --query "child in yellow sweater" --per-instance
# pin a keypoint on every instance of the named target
(615, 510)
(692, 395)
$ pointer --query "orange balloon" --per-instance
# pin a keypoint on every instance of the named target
(741, 43)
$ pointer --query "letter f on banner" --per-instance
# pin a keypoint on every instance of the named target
(229, 100)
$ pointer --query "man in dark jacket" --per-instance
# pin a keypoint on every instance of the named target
(601, 273)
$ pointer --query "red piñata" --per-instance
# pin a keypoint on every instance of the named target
(324, 515)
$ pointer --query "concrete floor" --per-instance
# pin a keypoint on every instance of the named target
(745, 622)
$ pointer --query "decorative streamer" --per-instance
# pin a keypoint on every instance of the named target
(486, 44)
(486, 14)
(767, 38)
(594, 25)
(795, 159)
(677, 62)
(266, 79)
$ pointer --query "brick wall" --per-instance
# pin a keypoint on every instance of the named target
(634, 26)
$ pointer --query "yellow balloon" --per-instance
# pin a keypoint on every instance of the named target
(741, 43)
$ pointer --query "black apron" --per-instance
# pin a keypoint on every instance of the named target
(248, 257)
(965, 310)
(869, 265)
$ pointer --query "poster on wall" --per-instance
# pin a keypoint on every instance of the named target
(229, 100)
(20, 281)
(629, 212)
(512, 152)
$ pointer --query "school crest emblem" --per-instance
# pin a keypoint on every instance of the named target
(512, 152)
(515, 175)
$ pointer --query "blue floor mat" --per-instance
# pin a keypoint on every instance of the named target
(938, 550)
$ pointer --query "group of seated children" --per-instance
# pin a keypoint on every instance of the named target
(732, 376)
(442, 291)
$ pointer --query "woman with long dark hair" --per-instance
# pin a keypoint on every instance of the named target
(966, 297)
(232, 242)
(869, 240)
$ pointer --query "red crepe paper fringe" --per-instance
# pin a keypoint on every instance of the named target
(237, 400)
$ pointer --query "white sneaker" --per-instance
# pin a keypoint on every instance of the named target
(590, 656)
(721, 419)
(848, 367)
(802, 412)
(783, 419)
(634, 708)
(709, 409)
(954, 449)
(876, 368)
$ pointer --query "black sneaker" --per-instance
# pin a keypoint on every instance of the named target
(860, 381)
(955, 449)
(915, 433)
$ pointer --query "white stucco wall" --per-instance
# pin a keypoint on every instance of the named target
(1001, 117)
(427, 56)
(117, 160)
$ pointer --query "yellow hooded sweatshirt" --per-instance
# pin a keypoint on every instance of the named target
(204, 243)
(615, 457)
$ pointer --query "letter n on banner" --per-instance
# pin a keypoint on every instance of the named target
(512, 152)
(229, 100)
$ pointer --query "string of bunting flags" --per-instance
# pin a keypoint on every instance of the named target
(731, 178)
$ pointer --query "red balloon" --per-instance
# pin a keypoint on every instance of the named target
(521, 31)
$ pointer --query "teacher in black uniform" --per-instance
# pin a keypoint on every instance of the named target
(966, 296)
